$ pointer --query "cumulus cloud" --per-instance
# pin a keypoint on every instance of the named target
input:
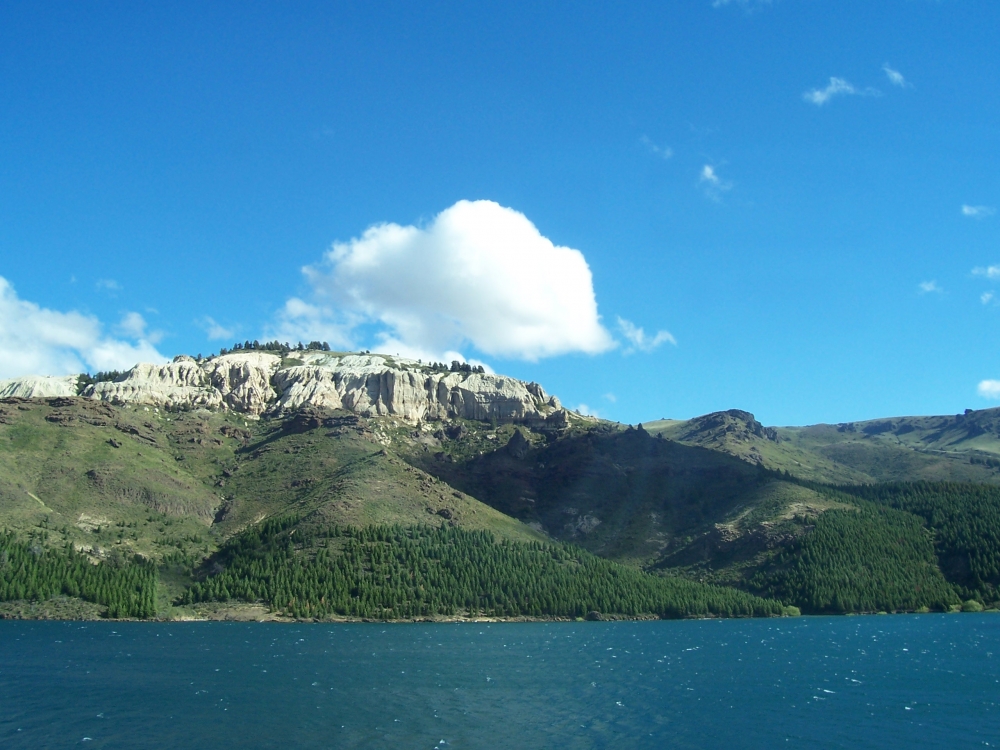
(713, 185)
(927, 287)
(986, 297)
(895, 77)
(836, 87)
(639, 341)
(978, 212)
(478, 274)
(988, 272)
(587, 411)
(37, 341)
(664, 152)
(989, 389)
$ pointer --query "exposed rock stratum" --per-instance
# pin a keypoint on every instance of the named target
(256, 383)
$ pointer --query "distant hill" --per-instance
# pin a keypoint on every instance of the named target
(963, 447)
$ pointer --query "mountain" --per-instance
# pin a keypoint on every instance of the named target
(180, 466)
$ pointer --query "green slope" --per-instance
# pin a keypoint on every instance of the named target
(963, 447)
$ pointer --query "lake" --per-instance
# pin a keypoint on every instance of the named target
(837, 682)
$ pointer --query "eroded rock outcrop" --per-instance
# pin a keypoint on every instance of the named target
(38, 386)
(180, 384)
(380, 386)
(258, 382)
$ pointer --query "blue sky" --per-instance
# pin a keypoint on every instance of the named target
(799, 197)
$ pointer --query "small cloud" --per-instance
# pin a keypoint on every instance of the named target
(586, 411)
(664, 152)
(989, 389)
(896, 78)
(133, 325)
(978, 212)
(110, 286)
(986, 297)
(610, 397)
(713, 185)
(927, 287)
(989, 272)
(837, 87)
(747, 5)
(639, 341)
(216, 331)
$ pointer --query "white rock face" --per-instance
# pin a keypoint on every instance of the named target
(244, 380)
(255, 382)
(380, 386)
(180, 384)
(38, 386)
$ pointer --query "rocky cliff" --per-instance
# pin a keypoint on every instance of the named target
(256, 383)
(38, 386)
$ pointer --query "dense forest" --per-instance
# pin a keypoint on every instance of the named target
(29, 571)
(965, 520)
(398, 572)
(865, 560)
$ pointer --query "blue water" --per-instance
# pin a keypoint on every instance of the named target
(922, 680)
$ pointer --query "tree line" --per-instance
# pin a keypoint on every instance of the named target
(965, 521)
(868, 559)
(31, 572)
(392, 572)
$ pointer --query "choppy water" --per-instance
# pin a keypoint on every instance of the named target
(895, 681)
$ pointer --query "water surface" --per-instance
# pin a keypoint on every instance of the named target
(921, 680)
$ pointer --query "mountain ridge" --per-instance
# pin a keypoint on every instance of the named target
(173, 462)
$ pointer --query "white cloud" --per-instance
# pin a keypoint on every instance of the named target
(990, 272)
(895, 77)
(978, 212)
(610, 397)
(38, 341)
(713, 185)
(132, 324)
(926, 287)
(639, 341)
(110, 286)
(664, 152)
(214, 330)
(478, 274)
(989, 389)
(986, 297)
(837, 87)
(587, 411)
(745, 4)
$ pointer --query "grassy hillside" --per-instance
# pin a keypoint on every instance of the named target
(159, 484)
(964, 447)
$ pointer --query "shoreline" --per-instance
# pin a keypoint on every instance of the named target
(246, 617)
